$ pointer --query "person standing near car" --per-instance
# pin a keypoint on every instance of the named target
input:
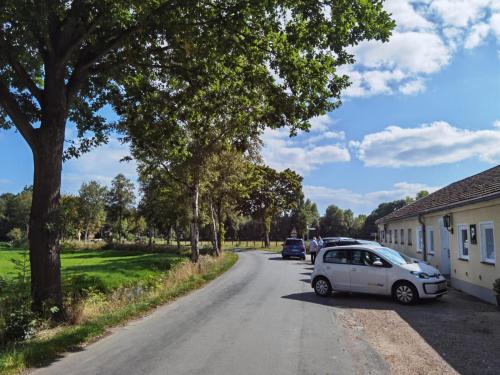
(320, 243)
(313, 249)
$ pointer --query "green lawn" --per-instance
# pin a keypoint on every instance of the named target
(102, 269)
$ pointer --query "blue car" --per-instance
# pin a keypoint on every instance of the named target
(294, 248)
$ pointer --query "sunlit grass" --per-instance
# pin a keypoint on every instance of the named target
(92, 315)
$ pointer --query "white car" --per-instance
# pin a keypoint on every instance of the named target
(375, 270)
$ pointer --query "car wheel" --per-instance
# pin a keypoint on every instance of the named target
(322, 287)
(405, 293)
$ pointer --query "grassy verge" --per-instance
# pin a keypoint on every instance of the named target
(276, 247)
(99, 311)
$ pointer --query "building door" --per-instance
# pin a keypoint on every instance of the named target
(444, 264)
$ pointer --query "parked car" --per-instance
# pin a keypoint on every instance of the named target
(346, 241)
(294, 247)
(375, 270)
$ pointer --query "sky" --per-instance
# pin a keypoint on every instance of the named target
(423, 111)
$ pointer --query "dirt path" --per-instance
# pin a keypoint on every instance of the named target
(404, 350)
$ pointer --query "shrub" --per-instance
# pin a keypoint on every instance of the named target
(15, 235)
(496, 286)
(17, 322)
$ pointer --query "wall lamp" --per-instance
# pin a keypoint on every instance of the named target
(448, 222)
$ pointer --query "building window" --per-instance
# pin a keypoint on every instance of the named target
(390, 235)
(395, 236)
(420, 240)
(463, 241)
(430, 240)
(410, 240)
(487, 240)
(402, 236)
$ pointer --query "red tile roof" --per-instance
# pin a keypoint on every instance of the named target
(482, 186)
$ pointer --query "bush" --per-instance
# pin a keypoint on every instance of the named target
(15, 234)
(496, 286)
(17, 322)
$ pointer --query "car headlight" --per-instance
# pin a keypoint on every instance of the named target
(420, 275)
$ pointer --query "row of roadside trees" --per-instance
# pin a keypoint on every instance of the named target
(188, 80)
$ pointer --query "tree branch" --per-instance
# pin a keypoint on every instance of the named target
(20, 71)
(81, 71)
(10, 105)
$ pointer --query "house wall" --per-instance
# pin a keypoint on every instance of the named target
(473, 276)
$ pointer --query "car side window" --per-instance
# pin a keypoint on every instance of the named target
(359, 258)
(371, 258)
(336, 256)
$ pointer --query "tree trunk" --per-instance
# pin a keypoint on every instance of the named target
(86, 234)
(44, 233)
(220, 230)
(195, 233)
(150, 235)
(266, 224)
(120, 227)
(214, 229)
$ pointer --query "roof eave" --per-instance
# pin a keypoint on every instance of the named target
(483, 198)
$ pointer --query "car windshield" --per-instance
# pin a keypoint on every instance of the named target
(393, 256)
(293, 242)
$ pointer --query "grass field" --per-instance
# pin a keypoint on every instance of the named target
(101, 269)
(110, 272)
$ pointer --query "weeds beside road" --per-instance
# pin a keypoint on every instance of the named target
(105, 288)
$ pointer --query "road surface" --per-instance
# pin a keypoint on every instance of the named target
(261, 317)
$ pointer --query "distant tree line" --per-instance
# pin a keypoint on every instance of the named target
(338, 222)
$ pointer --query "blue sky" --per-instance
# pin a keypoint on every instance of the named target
(423, 111)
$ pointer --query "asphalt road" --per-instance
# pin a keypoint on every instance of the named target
(261, 317)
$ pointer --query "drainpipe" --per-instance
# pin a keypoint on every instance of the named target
(424, 242)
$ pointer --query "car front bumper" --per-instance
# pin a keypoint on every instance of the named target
(433, 289)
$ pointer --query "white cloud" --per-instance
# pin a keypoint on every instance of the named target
(496, 124)
(101, 164)
(362, 202)
(304, 152)
(406, 17)
(281, 152)
(477, 35)
(326, 135)
(460, 13)
(412, 52)
(428, 144)
(428, 33)
(413, 87)
(495, 24)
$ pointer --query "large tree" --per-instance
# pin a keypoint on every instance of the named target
(273, 193)
(92, 205)
(120, 199)
(63, 60)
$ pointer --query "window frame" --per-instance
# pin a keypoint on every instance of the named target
(483, 225)
(410, 240)
(460, 243)
(419, 237)
(402, 236)
(431, 250)
(396, 236)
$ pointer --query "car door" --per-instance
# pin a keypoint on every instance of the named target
(336, 267)
(369, 272)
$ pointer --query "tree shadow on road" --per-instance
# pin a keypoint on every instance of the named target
(462, 329)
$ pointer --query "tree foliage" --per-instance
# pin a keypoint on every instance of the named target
(273, 193)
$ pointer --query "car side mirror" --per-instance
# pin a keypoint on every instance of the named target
(378, 263)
